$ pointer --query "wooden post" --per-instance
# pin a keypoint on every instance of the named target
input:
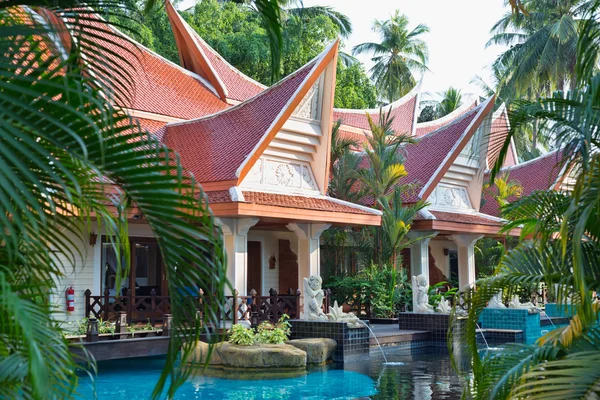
(152, 303)
(298, 293)
(87, 294)
(254, 310)
(121, 325)
(167, 325)
(327, 300)
(106, 304)
(234, 307)
(91, 334)
(274, 306)
(129, 304)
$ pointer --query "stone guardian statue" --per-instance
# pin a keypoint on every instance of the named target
(313, 299)
(420, 289)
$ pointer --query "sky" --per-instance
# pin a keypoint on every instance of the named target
(459, 31)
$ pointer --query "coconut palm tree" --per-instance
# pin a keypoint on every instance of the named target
(451, 100)
(71, 154)
(543, 47)
(563, 249)
(398, 57)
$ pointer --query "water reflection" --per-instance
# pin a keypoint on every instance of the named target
(424, 374)
(417, 374)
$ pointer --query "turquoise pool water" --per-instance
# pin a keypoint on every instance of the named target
(416, 375)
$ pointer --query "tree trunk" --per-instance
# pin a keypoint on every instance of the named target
(534, 135)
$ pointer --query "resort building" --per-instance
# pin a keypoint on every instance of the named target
(262, 155)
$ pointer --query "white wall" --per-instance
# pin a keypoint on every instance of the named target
(270, 246)
(85, 274)
(437, 247)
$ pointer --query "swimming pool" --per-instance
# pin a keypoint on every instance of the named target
(415, 374)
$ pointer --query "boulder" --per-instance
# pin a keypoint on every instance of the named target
(317, 350)
(201, 351)
(262, 355)
(256, 356)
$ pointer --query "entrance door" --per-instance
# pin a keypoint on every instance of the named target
(254, 277)
(146, 272)
(453, 257)
(288, 267)
(146, 267)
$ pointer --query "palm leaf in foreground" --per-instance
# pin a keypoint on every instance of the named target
(66, 148)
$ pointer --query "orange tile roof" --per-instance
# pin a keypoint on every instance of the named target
(213, 148)
(424, 128)
(289, 201)
(159, 86)
(403, 113)
(472, 219)
(538, 174)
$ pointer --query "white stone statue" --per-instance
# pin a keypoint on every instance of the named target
(420, 295)
(515, 303)
(444, 307)
(496, 301)
(337, 315)
(313, 299)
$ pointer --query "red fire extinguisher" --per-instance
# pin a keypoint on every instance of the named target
(70, 299)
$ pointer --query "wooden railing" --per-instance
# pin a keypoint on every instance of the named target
(137, 308)
(256, 309)
(253, 308)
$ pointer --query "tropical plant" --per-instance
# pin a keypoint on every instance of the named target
(277, 333)
(241, 335)
(400, 54)
(70, 153)
(503, 189)
(563, 250)
(382, 166)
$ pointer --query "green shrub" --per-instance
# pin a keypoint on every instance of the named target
(240, 335)
(274, 334)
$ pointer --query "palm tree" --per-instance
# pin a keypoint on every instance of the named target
(400, 55)
(379, 172)
(503, 189)
(65, 144)
(340, 145)
(451, 100)
(543, 47)
(563, 248)
(382, 165)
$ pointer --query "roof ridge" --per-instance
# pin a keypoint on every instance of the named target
(453, 122)
(525, 163)
(401, 101)
(250, 100)
(464, 108)
(160, 57)
(233, 68)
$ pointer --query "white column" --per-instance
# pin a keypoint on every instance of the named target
(235, 240)
(466, 258)
(419, 257)
(419, 253)
(309, 256)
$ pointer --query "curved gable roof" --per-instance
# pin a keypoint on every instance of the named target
(423, 128)
(158, 85)
(402, 110)
(219, 147)
(541, 173)
(431, 155)
(196, 55)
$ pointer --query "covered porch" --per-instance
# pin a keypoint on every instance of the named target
(448, 252)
